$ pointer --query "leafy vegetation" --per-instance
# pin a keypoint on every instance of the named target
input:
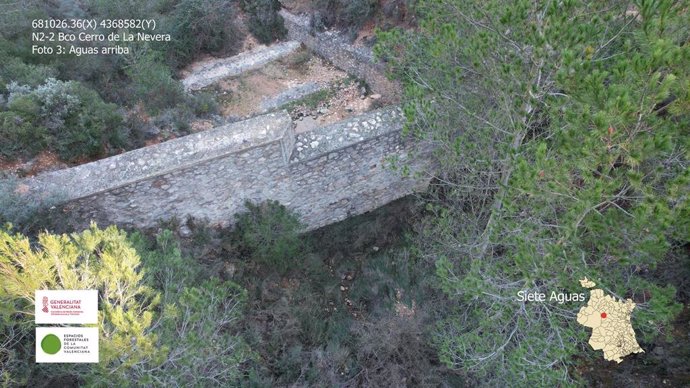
(200, 26)
(353, 14)
(264, 21)
(562, 133)
(64, 117)
(269, 234)
(329, 13)
(153, 85)
(147, 297)
(94, 95)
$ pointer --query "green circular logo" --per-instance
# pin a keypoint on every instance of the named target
(51, 344)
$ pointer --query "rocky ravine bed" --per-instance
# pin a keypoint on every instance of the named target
(314, 91)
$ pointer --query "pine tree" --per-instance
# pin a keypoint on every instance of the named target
(561, 136)
(162, 325)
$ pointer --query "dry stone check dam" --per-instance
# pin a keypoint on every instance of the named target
(325, 175)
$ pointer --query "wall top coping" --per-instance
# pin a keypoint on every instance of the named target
(212, 71)
(105, 174)
(320, 141)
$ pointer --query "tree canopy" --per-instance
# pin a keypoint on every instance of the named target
(561, 135)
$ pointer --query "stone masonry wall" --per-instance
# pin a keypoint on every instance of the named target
(334, 47)
(207, 73)
(324, 175)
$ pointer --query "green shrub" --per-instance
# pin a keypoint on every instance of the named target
(153, 84)
(357, 12)
(18, 136)
(174, 120)
(264, 21)
(269, 234)
(202, 26)
(14, 70)
(204, 104)
(65, 117)
(94, 259)
(162, 324)
(350, 14)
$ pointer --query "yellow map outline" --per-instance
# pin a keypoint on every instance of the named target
(613, 333)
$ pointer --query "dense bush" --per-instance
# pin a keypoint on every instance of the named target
(14, 70)
(342, 13)
(162, 323)
(264, 21)
(202, 26)
(64, 117)
(203, 104)
(269, 234)
(554, 163)
(357, 12)
(153, 85)
(195, 26)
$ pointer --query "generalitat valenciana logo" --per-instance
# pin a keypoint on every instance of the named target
(66, 306)
(73, 344)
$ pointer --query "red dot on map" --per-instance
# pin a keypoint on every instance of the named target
(603, 315)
